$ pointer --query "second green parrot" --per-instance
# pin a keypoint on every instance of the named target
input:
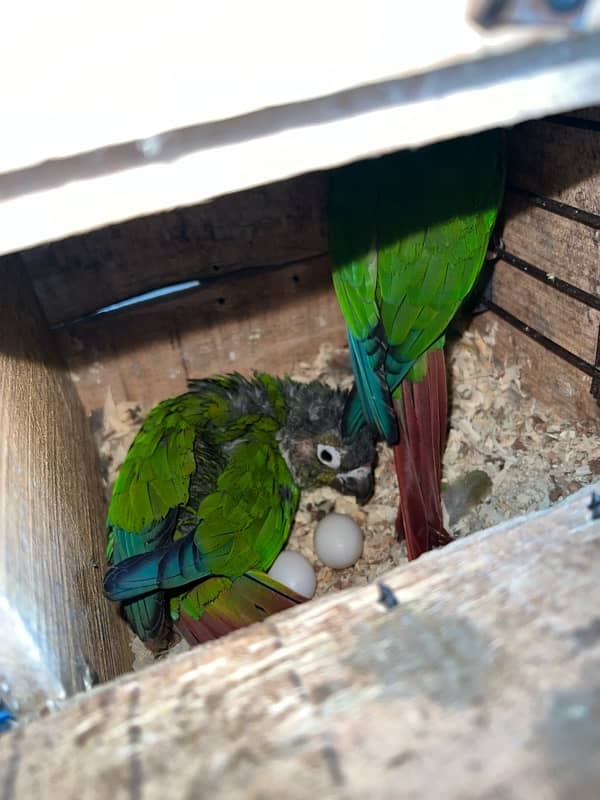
(207, 494)
(408, 236)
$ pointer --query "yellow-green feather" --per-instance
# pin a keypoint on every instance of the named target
(155, 475)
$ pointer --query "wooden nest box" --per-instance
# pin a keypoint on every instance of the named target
(124, 274)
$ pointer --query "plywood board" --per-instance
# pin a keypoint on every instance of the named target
(58, 635)
(557, 161)
(559, 246)
(481, 681)
(272, 225)
(267, 321)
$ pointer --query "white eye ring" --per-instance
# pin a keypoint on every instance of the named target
(328, 455)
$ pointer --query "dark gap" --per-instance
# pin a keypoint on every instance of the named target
(591, 300)
(587, 218)
(575, 122)
(221, 301)
(183, 289)
(548, 344)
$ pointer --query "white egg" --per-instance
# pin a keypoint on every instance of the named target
(338, 541)
(295, 571)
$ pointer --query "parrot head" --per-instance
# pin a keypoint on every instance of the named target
(316, 451)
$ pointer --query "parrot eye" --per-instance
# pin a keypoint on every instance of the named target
(329, 456)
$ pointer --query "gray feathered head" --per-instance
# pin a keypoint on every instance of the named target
(312, 443)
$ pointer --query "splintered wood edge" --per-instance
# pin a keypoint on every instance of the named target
(486, 669)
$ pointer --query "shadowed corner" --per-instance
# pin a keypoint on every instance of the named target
(24, 335)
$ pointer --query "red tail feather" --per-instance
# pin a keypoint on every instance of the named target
(251, 598)
(423, 419)
(198, 631)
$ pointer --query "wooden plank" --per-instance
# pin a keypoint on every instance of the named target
(592, 113)
(560, 246)
(102, 104)
(58, 634)
(543, 375)
(276, 224)
(146, 131)
(557, 161)
(267, 321)
(557, 316)
(487, 665)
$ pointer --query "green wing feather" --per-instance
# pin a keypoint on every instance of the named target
(244, 521)
(152, 481)
(352, 195)
(354, 251)
(433, 240)
(193, 512)
(155, 475)
(241, 525)
(408, 236)
(247, 518)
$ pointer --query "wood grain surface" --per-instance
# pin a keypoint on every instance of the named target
(557, 161)
(559, 246)
(58, 635)
(266, 226)
(482, 682)
(267, 320)
(565, 320)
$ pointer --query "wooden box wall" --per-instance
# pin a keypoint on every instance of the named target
(546, 284)
(263, 299)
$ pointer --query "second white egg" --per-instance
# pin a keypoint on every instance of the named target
(338, 541)
(294, 571)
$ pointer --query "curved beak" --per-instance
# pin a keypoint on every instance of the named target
(359, 482)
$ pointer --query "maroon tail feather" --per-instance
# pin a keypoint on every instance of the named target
(423, 417)
(251, 598)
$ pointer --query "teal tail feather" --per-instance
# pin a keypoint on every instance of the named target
(372, 393)
(165, 568)
(251, 598)
(146, 617)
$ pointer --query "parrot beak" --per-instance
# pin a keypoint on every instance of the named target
(359, 482)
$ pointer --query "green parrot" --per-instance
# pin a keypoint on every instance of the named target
(408, 235)
(207, 494)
